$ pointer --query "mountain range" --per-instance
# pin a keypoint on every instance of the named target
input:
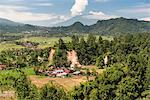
(111, 26)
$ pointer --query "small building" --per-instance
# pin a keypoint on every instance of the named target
(57, 71)
(67, 71)
(76, 73)
(61, 74)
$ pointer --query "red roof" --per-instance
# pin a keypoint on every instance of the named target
(67, 71)
(2, 66)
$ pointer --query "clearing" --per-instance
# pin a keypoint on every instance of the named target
(66, 83)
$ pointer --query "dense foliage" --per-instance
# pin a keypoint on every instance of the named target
(60, 56)
(18, 81)
(128, 75)
(52, 92)
(24, 57)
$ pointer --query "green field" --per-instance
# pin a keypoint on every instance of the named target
(44, 42)
(8, 46)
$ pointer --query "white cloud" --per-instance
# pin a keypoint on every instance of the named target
(43, 4)
(21, 14)
(143, 9)
(102, 0)
(145, 19)
(78, 7)
(13, 7)
(16, 13)
(99, 15)
(136, 10)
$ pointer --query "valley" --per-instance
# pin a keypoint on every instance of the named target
(74, 64)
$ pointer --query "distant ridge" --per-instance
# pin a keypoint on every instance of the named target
(77, 19)
(15, 27)
(112, 26)
(4, 22)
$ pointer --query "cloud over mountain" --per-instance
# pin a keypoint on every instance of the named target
(78, 7)
(99, 15)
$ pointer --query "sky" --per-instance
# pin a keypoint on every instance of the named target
(51, 12)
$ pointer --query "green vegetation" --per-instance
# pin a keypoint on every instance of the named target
(127, 77)
(9, 46)
(60, 57)
(17, 80)
(126, 60)
(44, 42)
(24, 58)
(103, 27)
(52, 92)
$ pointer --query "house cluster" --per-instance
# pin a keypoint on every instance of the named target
(59, 72)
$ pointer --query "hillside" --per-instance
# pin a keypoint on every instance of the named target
(120, 25)
(5, 22)
(111, 26)
(13, 27)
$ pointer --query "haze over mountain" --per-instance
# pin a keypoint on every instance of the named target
(6, 22)
(15, 27)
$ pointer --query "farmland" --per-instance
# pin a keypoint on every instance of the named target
(8, 46)
(66, 83)
(44, 42)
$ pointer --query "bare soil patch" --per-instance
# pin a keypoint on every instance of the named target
(66, 83)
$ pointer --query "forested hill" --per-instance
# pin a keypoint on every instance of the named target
(111, 26)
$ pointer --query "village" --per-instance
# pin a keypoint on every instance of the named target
(75, 69)
(53, 71)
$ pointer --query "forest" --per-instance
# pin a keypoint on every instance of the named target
(127, 75)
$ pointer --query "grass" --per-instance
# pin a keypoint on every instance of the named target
(44, 41)
(8, 46)
(28, 71)
(5, 73)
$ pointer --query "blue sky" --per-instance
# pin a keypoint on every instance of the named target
(50, 12)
